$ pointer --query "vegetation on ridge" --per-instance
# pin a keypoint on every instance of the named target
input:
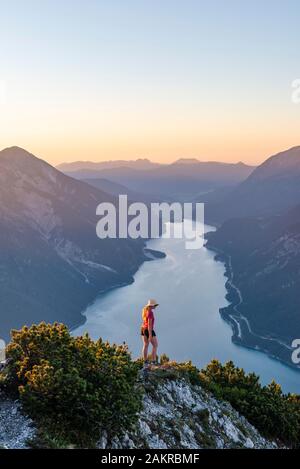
(74, 388)
(273, 413)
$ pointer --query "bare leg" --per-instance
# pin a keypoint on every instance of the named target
(145, 347)
(154, 344)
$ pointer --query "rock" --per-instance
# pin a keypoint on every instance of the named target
(16, 428)
(176, 415)
(103, 441)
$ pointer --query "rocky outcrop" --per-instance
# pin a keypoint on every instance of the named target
(175, 415)
(179, 415)
(16, 428)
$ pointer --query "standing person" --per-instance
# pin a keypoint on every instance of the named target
(147, 331)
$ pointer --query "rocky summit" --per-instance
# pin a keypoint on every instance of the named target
(179, 415)
(175, 415)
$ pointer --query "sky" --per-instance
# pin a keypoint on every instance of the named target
(159, 79)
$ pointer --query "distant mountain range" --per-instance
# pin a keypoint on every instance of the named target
(181, 180)
(140, 163)
(115, 189)
(51, 262)
(260, 242)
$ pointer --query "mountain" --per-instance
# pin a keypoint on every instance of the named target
(263, 258)
(140, 163)
(178, 181)
(271, 188)
(115, 189)
(259, 239)
(51, 262)
(186, 161)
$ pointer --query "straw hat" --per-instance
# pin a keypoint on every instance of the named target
(152, 303)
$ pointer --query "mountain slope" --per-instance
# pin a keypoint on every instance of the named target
(263, 259)
(51, 262)
(115, 189)
(272, 187)
(260, 242)
(177, 415)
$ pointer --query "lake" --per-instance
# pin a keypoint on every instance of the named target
(189, 286)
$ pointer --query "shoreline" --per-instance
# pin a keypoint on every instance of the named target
(150, 255)
(230, 314)
(237, 321)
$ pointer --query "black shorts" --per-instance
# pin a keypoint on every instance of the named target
(145, 332)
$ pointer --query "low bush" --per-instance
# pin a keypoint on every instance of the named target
(273, 413)
(72, 385)
(74, 388)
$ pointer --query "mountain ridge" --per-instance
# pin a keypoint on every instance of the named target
(139, 163)
(271, 188)
(51, 262)
(178, 181)
(262, 256)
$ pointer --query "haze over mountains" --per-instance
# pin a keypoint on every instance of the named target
(115, 189)
(181, 180)
(270, 189)
(258, 211)
(140, 163)
(51, 262)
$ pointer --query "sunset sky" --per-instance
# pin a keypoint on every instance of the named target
(163, 79)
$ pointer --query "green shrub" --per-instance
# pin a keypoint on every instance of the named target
(189, 371)
(171, 369)
(73, 384)
(163, 359)
(273, 413)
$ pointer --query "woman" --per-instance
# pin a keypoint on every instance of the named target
(147, 331)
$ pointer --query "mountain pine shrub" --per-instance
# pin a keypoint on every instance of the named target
(274, 414)
(73, 386)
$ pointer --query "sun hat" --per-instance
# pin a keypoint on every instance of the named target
(152, 303)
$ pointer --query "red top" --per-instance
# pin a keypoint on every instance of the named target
(148, 316)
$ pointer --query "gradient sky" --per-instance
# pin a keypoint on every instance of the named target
(110, 79)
